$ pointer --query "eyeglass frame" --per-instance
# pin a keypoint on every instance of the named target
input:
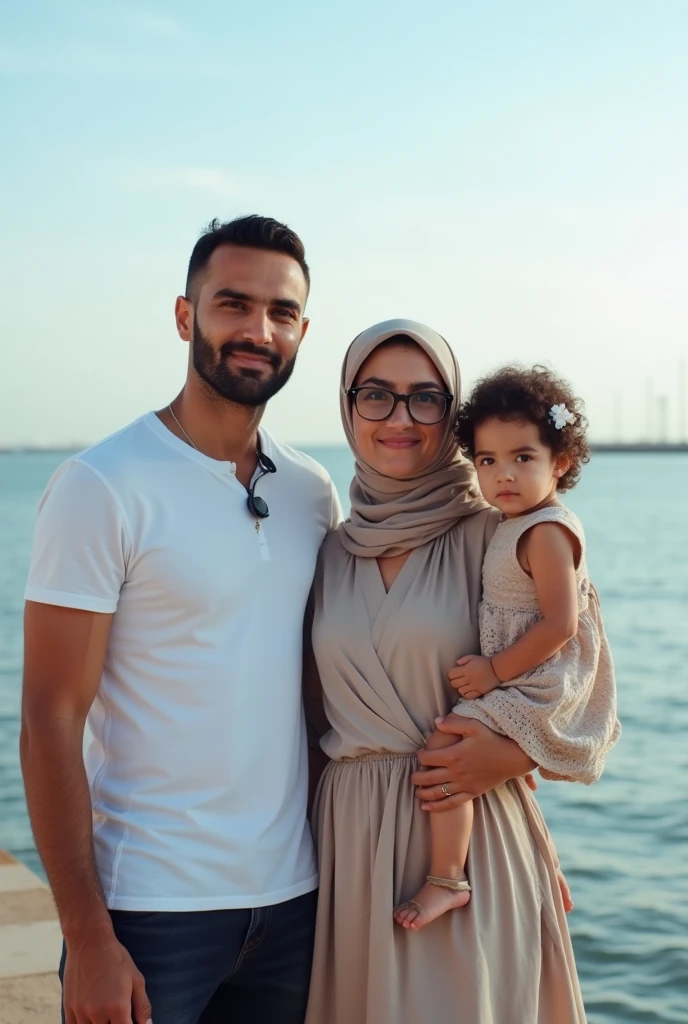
(260, 511)
(353, 392)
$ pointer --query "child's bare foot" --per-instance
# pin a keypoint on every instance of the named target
(429, 903)
(565, 891)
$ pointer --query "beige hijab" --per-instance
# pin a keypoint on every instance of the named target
(391, 516)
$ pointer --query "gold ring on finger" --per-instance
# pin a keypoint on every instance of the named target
(444, 789)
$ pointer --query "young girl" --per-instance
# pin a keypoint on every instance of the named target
(545, 676)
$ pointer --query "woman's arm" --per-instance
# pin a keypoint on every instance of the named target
(316, 723)
(479, 761)
(549, 557)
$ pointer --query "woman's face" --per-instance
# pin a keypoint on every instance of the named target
(399, 447)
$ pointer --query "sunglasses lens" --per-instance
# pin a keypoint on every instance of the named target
(260, 507)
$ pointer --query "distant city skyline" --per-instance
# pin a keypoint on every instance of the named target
(512, 174)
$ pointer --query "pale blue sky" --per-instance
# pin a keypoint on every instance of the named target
(513, 173)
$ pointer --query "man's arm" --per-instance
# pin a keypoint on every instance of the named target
(63, 663)
(63, 660)
(479, 761)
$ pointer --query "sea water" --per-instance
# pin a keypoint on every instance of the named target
(623, 843)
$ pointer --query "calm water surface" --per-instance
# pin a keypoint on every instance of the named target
(623, 842)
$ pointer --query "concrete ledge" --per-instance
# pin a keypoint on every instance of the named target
(24, 907)
(30, 946)
(31, 1000)
(14, 877)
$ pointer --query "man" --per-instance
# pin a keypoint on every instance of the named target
(171, 569)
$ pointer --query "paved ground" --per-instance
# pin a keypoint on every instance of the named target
(30, 944)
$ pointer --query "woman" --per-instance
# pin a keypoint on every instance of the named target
(395, 603)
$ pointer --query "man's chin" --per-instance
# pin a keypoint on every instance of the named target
(246, 373)
(250, 386)
(250, 390)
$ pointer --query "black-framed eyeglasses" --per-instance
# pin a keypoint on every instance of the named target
(257, 506)
(426, 407)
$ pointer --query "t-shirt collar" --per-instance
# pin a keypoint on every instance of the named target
(218, 466)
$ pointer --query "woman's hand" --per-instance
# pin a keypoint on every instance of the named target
(479, 761)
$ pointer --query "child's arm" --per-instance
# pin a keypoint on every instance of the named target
(549, 555)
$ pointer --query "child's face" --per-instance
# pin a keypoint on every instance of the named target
(517, 472)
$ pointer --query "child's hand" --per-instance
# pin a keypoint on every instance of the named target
(473, 676)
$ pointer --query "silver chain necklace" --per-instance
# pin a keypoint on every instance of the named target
(256, 506)
(259, 513)
(171, 412)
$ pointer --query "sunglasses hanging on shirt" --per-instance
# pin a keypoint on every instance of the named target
(257, 506)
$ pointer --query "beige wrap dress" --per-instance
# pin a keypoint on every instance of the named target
(383, 659)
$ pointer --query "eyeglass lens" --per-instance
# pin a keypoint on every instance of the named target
(424, 407)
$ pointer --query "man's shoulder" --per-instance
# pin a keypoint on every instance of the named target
(107, 465)
(109, 456)
(300, 464)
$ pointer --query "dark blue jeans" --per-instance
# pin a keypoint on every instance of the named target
(223, 966)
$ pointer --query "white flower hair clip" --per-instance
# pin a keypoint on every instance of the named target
(560, 416)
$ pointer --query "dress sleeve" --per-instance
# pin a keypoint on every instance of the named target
(316, 719)
(336, 516)
(81, 543)
(493, 520)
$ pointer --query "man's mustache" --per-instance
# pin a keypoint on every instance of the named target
(230, 347)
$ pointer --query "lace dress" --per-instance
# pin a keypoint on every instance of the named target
(562, 713)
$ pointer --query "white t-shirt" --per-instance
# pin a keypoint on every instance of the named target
(197, 761)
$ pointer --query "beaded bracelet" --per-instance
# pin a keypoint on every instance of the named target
(501, 681)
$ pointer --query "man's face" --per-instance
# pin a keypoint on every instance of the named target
(245, 322)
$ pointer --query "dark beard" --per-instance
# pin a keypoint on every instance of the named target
(246, 387)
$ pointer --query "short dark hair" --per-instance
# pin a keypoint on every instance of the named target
(252, 232)
(516, 393)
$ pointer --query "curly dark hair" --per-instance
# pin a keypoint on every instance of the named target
(517, 393)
